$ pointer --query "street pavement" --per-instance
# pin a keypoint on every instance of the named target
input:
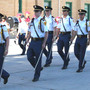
(52, 78)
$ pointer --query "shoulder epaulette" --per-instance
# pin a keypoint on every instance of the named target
(77, 21)
(52, 16)
(87, 20)
(32, 20)
(71, 17)
(43, 18)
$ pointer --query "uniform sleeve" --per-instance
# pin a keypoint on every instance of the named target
(72, 24)
(5, 32)
(75, 27)
(54, 23)
(29, 27)
(45, 26)
(89, 26)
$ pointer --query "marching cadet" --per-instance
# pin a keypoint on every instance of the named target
(39, 34)
(82, 29)
(22, 34)
(51, 25)
(4, 44)
(65, 25)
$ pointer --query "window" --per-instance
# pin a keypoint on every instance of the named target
(69, 4)
(47, 3)
(87, 8)
(20, 6)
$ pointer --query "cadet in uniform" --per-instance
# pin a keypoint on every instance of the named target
(65, 25)
(82, 28)
(4, 43)
(39, 34)
(51, 25)
(22, 34)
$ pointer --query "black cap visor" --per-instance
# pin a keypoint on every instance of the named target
(81, 13)
(65, 10)
(37, 10)
(48, 9)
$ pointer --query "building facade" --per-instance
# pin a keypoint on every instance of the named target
(12, 7)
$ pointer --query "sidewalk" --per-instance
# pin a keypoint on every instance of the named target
(52, 78)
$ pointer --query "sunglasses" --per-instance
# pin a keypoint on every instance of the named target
(47, 10)
(64, 10)
(36, 10)
(81, 14)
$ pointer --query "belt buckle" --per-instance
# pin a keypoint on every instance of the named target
(80, 36)
(34, 39)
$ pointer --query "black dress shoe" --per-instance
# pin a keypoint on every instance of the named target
(84, 64)
(15, 41)
(35, 79)
(64, 67)
(79, 70)
(46, 65)
(6, 80)
(23, 54)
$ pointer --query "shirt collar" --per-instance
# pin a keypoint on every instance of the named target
(66, 17)
(38, 18)
(49, 16)
(83, 19)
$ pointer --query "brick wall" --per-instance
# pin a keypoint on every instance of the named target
(27, 5)
(76, 4)
(10, 7)
(55, 6)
